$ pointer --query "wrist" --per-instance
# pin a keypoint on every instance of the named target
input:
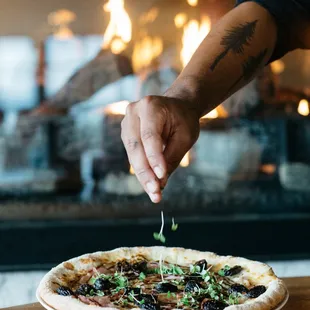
(188, 89)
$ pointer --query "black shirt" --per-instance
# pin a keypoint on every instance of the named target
(286, 13)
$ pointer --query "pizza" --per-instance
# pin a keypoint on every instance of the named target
(154, 278)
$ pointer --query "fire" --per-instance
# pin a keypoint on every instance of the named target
(180, 20)
(131, 171)
(213, 114)
(303, 107)
(117, 46)
(192, 37)
(185, 161)
(149, 17)
(145, 52)
(61, 20)
(192, 2)
(118, 108)
(119, 27)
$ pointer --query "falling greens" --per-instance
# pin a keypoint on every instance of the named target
(159, 236)
(174, 226)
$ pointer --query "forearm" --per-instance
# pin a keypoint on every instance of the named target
(238, 46)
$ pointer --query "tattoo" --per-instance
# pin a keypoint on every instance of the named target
(236, 39)
(249, 68)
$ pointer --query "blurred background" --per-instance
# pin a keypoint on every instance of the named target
(68, 69)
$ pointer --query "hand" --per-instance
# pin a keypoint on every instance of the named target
(157, 132)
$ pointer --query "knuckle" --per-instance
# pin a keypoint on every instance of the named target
(147, 100)
(132, 144)
(130, 107)
(147, 134)
(140, 173)
(153, 159)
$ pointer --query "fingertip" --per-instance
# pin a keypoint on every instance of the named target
(160, 172)
(156, 198)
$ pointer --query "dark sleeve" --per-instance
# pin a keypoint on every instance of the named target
(286, 14)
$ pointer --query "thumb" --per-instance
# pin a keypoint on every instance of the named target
(175, 150)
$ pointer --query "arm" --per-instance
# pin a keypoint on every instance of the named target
(158, 131)
(230, 56)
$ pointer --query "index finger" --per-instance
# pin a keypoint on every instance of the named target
(152, 123)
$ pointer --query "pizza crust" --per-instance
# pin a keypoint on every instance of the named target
(255, 273)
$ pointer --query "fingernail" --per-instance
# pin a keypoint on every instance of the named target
(159, 172)
(151, 187)
(155, 198)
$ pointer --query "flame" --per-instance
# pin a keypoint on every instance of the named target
(117, 46)
(149, 17)
(277, 66)
(118, 108)
(180, 20)
(119, 27)
(303, 107)
(213, 114)
(185, 161)
(192, 37)
(131, 171)
(146, 51)
(192, 2)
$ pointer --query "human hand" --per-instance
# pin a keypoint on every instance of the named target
(157, 132)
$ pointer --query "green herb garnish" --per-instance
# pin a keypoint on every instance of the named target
(194, 269)
(174, 226)
(233, 298)
(159, 236)
(142, 276)
(223, 271)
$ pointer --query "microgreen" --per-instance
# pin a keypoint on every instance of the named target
(142, 276)
(223, 271)
(174, 226)
(159, 236)
(233, 299)
(194, 269)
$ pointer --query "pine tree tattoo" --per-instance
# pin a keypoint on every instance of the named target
(235, 40)
(249, 68)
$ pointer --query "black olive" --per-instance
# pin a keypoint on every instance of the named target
(166, 287)
(140, 266)
(147, 298)
(149, 306)
(202, 264)
(146, 301)
(237, 288)
(133, 290)
(84, 289)
(194, 277)
(64, 291)
(213, 305)
(191, 286)
(123, 266)
(256, 291)
(102, 284)
(232, 271)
